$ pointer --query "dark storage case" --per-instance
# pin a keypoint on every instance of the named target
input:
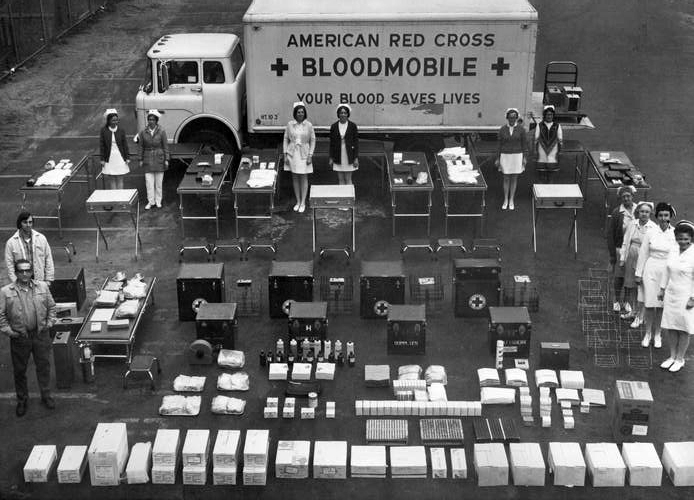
(216, 323)
(199, 281)
(308, 320)
(291, 280)
(64, 350)
(69, 286)
(477, 286)
(554, 355)
(513, 326)
(382, 283)
(407, 329)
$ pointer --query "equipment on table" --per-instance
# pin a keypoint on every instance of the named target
(407, 328)
(199, 281)
(513, 326)
(217, 323)
(308, 320)
(477, 286)
(291, 280)
(68, 286)
(382, 283)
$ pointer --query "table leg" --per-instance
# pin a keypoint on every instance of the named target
(534, 222)
(575, 235)
(137, 225)
(429, 216)
(393, 204)
(483, 212)
(354, 235)
(180, 211)
(313, 228)
(236, 214)
(216, 209)
(59, 208)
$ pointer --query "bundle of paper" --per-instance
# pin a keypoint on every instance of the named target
(546, 378)
(571, 379)
(409, 372)
(386, 431)
(183, 406)
(488, 377)
(185, 383)
(223, 405)
(437, 392)
(228, 358)
(238, 381)
(377, 375)
(368, 461)
(497, 396)
(440, 431)
(137, 470)
(516, 377)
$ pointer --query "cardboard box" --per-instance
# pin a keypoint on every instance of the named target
(605, 464)
(678, 461)
(288, 412)
(368, 461)
(272, 402)
(278, 371)
(271, 412)
(72, 464)
(567, 464)
(308, 413)
(439, 468)
(224, 475)
(325, 371)
(458, 463)
(330, 460)
(254, 476)
(632, 408)
(195, 474)
(165, 448)
(491, 464)
(255, 449)
(41, 461)
(226, 448)
(164, 474)
(408, 461)
(196, 448)
(301, 371)
(108, 453)
(643, 465)
(527, 464)
(139, 463)
(291, 461)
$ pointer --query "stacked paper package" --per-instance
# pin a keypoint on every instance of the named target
(225, 457)
(291, 461)
(196, 450)
(108, 454)
(255, 453)
(165, 456)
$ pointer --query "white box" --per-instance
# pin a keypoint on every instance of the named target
(571, 379)
(527, 464)
(301, 371)
(139, 463)
(165, 448)
(226, 449)
(439, 469)
(224, 475)
(308, 413)
(196, 448)
(330, 460)
(291, 461)
(491, 464)
(164, 474)
(643, 465)
(330, 412)
(289, 401)
(195, 474)
(40, 463)
(254, 476)
(605, 464)
(546, 421)
(108, 453)
(325, 371)
(272, 402)
(255, 449)
(358, 408)
(278, 371)
(458, 463)
(569, 423)
(288, 412)
(678, 461)
(271, 412)
(567, 464)
(72, 464)
(408, 461)
(368, 461)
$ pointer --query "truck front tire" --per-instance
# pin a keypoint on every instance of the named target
(213, 142)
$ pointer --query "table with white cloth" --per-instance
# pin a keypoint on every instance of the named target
(460, 183)
(403, 185)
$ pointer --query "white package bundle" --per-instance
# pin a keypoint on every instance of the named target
(437, 392)
(238, 381)
(435, 373)
(223, 405)
(488, 377)
(409, 372)
(231, 359)
(184, 383)
(187, 406)
(516, 377)
(546, 378)
(497, 395)
(139, 463)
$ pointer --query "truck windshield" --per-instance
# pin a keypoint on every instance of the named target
(179, 73)
(147, 81)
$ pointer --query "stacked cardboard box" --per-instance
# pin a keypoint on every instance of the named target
(567, 464)
(632, 402)
(408, 461)
(196, 450)
(108, 454)
(255, 455)
(418, 408)
(527, 464)
(545, 407)
(458, 463)
(330, 460)
(439, 469)
(291, 461)
(72, 464)
(225, 457)
(40, 463)
(605, 464)
(491, 464)
(526, 406)
(165, 456)
(643, 465)
(368, 461)
(678, 461)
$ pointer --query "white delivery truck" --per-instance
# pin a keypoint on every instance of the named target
(420, 68)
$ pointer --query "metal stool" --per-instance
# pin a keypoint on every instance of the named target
(450, 244)
(142, 363)
(266, 244)
(487, 247)
(232, 244)
(421, 243)
(194, 244)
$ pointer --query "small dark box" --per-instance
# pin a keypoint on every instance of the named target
(217, 324)
(407, 329)
(291, 280)
(513, 326)
(64, 350)
(68, 286)
(554, 355)
(199, 281)
(477, 286)
(308, 320)
(382, 283)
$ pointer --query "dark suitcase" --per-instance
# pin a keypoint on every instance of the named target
(382, 283)
(198, 281)
(64, 350)
(291, 280)
(513, 326)
(407, 329)
(554, 355)
(217, 323)
(308, 320)
(477, 286)
(69, 286)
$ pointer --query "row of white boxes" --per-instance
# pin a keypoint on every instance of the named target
(388, 408)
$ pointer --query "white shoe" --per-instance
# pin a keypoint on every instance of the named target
(505, 205)
(148, 206)
(158, 205)
(511, 206)
(637, 323)
(676, 366)
(646, 340)
(627, 316)
(296, 207)
(627, 308)
(667, 363)
(657, 341)
(616, 307)
(302, 208)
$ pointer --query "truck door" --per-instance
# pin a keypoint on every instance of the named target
(177, 97)
(223, 85)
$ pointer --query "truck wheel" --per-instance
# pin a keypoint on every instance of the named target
(213, 142)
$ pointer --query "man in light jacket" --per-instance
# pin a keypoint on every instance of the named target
(32, 246)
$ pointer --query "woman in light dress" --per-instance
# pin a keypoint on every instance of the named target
(115, 156)
(299, 143)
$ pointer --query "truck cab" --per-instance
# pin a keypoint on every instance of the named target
(197, 82)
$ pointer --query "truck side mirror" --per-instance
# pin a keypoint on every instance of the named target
(164, 76)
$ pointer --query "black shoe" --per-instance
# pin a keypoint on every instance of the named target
(21, 407)
(48, 402)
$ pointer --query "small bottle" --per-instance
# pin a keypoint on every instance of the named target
(262, 358)
(327, 349)
(269, 357)
(320, 357)
(279, 346)
(352, 360)
(340, 359)
(350, 348)
(309, 356)
(305, 346)
(290, 359)
(293, 347)
(338, 348)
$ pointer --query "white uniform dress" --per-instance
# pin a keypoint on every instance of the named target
(115, 165)
(299, 143)
(678, 281)
(629, 252)
(653, 256)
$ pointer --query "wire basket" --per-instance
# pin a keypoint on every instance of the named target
(427, 290)
(247, 295)
(520, 294)
(338, 292)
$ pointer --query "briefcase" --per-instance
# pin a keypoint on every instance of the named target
(308, 320)
(558, 195)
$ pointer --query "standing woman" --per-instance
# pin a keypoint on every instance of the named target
(629, 255)
(617, 224)
(154, 157)
(299, 143)
(115, 156)
(677, 293)
(655, 250)
(511, 156)
(548, 142)
(344, 145)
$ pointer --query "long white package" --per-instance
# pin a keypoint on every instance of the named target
(255, 449)
(527, 464)
(165, 449)
(330, 460)
(72, 464)
(368, 461)
(678, 461)
(458, 463)
(439, 469)
(567, 464)
(291, 461)
(408, 461)
(497, 395)
(139, 463)
(196, 448)
(491, 464)
(571, 379)
(226, 448)
(643, 465)
(108, 454)
(40, 463)
(605, 465)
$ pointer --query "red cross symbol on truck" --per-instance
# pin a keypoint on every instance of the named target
(500, 66)
(279, 66)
